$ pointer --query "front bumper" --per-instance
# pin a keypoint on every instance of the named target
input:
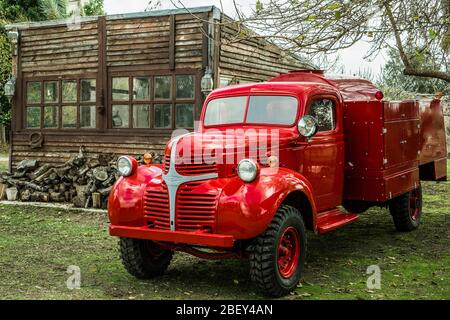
(193, 238)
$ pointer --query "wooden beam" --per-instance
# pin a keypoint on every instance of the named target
(172, 43)
(102, 81)
(205, 42)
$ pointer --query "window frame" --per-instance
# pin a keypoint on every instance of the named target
(335, 102)
(59, 103)
(248, 95)
(196, 101)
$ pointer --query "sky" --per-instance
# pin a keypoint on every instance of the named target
(352, 59)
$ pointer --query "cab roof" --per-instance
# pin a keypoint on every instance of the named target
(308, 82)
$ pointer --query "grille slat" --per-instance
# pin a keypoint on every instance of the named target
(194, 210)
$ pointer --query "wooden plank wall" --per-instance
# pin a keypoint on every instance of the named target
(58, 51)
(146, 42)
(251, 59)
(131, 44)
(58, 148)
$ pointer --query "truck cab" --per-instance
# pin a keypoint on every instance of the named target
(268, 162)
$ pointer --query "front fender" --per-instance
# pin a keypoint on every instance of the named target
(125, 202)
(246, 209)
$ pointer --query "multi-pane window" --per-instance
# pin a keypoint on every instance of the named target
(61, 104)
(159, 102)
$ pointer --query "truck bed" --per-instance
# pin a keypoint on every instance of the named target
(391, 146)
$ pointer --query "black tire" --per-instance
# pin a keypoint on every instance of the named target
(406, 210)
(143, 259)
(264, 254)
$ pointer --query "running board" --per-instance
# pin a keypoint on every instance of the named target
(333, 219)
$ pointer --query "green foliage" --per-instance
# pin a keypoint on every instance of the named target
(5, 72)
(20, 10)
(395, 84)
(53, 9)
(94, 8)
(259, 6)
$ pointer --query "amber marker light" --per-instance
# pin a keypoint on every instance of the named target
(148, 158)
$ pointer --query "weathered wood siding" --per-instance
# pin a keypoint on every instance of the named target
(62, 50)
(134, 42)
(151, 42)
(251, 59)
(58, 148)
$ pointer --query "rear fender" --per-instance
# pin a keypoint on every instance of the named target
(246, 209)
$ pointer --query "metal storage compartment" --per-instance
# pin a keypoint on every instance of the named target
(382, 144)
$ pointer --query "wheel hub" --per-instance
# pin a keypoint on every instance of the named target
(288, 252)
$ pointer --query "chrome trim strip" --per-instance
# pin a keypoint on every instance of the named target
(173, 180)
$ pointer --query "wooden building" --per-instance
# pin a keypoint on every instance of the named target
(122, 83)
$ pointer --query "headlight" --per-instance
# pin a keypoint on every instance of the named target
(247, 170)
(125, 166)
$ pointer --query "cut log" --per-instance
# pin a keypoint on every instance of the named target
(3, 188)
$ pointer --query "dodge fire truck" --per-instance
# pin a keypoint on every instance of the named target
(269, 161)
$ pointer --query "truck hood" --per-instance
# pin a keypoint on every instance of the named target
(252, 144)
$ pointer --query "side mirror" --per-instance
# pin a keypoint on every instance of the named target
(308, 126)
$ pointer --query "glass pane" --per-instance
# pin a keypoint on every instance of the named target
(163, 87)
(34, 92)
(69, 117)
(185, 115)
(87, 117)
(225, 111)
(141, 88)
(272, 110)
(51, 91)
(185, 87)
(34, 117)
(120, 117)
(121, 88)
(51, 117)
(323, 111)
(163, 116)
(141, 116)
(88, 90)
(69, 91)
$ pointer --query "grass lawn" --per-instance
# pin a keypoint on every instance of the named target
(38, 244)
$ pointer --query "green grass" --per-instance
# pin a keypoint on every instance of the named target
(38, 244)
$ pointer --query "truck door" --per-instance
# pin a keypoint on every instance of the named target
(323, 162)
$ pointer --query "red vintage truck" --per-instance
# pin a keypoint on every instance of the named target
(270, 161)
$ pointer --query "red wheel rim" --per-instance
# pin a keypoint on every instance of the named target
(415, 204)
(288, 252)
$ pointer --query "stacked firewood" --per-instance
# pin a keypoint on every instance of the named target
(84, 181)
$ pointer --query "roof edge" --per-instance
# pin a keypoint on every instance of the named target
(133, 15)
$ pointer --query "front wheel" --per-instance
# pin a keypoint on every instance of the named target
(278, 255)
(406, 210)
(143, 259)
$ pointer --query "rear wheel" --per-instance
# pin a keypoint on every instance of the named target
(278, 255)
(406, 210)
(143, 259)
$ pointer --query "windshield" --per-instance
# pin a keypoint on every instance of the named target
(276, 110)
